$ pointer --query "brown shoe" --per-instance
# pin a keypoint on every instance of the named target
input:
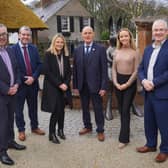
(38, 131)
(85, 131)
(100, 136)
(145, 149)
(22, 136)
(161, 157)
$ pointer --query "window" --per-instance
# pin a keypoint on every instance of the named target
(65, 24)
(86, 22)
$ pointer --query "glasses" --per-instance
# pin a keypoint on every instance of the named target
(3, 34)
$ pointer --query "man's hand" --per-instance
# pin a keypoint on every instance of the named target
(76, 91)
(63, 87)
(29, 80)
(102, 93)
(148, 85)
(13, 90)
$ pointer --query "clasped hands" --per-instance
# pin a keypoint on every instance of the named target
(29, 80)
(121, 86)
(148, 85)
(13, 89)
(63, 87)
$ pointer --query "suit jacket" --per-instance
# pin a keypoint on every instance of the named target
(160, 71)
(95, 70)
(5, 76)
(52, 80)
(35, 61)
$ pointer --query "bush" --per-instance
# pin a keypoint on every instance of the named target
(105, 35)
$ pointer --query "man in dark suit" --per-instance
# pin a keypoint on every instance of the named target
(9, 83)
(153, 73)
(90, 79)
(30, 68)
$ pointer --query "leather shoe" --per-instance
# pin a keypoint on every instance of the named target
(5, 159)
(161, 157)
(14, 145)
(145, 149)
(22, 136)
(38, 131)
(61, 134)
(54, 139)
(100, 136)
(85, 131)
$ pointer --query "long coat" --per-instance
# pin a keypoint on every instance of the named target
(52, 80)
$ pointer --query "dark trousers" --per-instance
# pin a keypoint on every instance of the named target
(125, 99)
(29, 94)
(85, 96)
(7, 106)
(156, 119)
(57, 115)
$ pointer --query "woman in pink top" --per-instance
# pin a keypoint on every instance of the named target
(124, 72)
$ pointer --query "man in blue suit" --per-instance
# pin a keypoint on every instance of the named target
(153, 73)
(30, 68)
(9, 83)
(90, 79)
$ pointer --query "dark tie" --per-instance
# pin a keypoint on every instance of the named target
(27, 62)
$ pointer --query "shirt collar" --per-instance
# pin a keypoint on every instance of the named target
(157, 46)
(21, 45)
(90, 45)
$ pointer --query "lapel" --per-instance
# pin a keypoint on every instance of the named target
(92, 52)
(20, 56)
(4, 65)
(161, 52)
(148, 56)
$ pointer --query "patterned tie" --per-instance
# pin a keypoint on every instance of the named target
(27, 62)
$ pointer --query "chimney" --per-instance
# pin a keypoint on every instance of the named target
(45, 3)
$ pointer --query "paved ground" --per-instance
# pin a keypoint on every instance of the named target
(83, 151)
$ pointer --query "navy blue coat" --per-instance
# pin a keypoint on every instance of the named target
(35, 61)
(160, 71)
(96, 68)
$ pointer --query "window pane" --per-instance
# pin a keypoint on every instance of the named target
(65, 25)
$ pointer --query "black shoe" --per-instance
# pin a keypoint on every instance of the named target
(14, 145)
(54, 139)
(61, 134)
(5, 159)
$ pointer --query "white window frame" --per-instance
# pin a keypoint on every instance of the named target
(65, 23)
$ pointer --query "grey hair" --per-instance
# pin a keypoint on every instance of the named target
(25, 28)
(160, 21)
(2, 25)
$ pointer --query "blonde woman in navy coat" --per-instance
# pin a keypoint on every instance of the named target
(56, 82)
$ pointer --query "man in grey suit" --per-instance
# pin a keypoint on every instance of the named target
(9, 83)
(91, 80)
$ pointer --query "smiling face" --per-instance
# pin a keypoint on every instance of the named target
(87, 35)
(159, 31)
(25, 36)
(124, 38)
(3, 36)
(59, 44)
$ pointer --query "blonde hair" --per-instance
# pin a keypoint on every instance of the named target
(132, 42)
(52, 45)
